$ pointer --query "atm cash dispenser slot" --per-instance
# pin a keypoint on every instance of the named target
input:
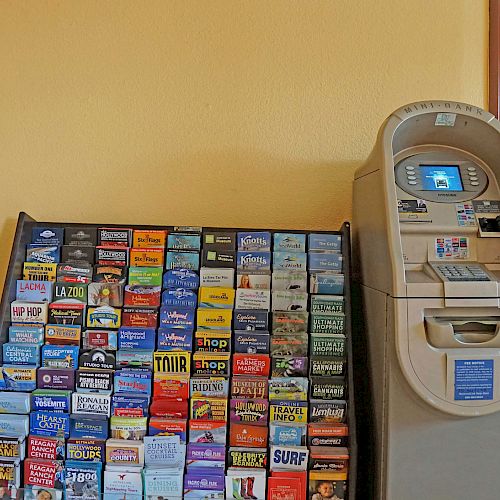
(449, 333)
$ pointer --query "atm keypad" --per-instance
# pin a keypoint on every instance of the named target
(462, 272)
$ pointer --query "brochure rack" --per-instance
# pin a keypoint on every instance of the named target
(15, 270)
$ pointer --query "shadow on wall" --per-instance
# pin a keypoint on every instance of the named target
(259, 191)
(238, 188)
(7, 232)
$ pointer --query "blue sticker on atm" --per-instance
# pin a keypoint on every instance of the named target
(474, 379)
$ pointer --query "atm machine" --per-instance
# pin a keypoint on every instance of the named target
(426, 241)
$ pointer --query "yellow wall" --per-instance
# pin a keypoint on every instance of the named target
(221, 112)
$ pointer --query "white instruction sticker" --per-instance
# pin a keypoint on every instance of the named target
(445, 120)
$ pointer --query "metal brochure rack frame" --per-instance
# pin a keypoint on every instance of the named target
(22, 237)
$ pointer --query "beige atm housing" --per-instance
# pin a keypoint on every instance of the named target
(426, 240)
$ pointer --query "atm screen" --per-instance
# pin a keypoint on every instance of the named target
(441, 178)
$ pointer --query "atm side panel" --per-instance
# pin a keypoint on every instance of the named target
(430, 446)
(375, 310)
(370, 233)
